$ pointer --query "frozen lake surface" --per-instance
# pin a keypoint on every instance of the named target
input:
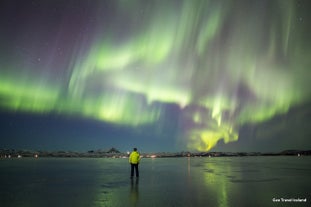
(221, 181)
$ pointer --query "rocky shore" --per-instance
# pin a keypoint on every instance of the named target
(114, 153)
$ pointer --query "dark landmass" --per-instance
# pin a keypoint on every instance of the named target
(114, 153)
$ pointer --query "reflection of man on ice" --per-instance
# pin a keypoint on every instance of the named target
(134, 194)
(134, 161)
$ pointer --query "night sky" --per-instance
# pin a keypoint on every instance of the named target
(165, 75)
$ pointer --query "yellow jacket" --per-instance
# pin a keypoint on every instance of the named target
(134, 157)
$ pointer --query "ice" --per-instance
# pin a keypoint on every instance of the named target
(195, 181)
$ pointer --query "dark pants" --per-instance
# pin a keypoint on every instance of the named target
(134, 166)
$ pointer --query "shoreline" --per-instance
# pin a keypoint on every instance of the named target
(11, 153)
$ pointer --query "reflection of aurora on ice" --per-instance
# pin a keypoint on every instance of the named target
(221, 66)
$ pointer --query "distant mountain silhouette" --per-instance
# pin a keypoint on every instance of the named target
(113, 150)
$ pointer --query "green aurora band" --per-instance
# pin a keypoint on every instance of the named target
(223, 65)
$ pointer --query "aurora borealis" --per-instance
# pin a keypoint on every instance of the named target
(200, 70)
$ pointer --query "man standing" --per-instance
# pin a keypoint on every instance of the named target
(134, 161)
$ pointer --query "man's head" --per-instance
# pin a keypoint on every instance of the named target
(135, 149)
